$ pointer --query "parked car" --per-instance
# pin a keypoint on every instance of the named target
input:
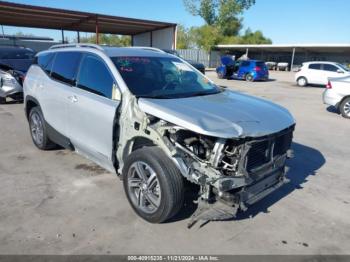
(337, 94)
(282, 66)
(271, 65)
(318, 72)
(249, 70)
(14, 63)
(199, 66)
(155, 121)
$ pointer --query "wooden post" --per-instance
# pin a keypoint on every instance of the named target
(62, 32)
(97, 32)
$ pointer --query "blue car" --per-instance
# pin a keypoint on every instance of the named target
(249, 70)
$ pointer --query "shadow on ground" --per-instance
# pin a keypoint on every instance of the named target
(305, 163)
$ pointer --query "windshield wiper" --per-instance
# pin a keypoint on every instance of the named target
(156, 97)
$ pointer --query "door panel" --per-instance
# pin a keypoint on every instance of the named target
(91, 119)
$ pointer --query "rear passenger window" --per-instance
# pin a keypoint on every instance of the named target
(45, 61)
(315, 66)
(65, 67)
(95, 77)
(329, 67)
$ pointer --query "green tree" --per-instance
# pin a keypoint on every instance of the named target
(225, 14)
(256, 37)
(184, 39)
(108, 39)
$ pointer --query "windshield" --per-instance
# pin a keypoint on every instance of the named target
(162, 77)
(344, 67)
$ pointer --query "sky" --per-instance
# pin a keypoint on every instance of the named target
(283, 21)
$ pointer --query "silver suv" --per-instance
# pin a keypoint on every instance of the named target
(154, 120)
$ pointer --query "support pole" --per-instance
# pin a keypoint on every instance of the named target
(78, 37)
(247, 52)
(97, 32)
(292, 62)
(62, 32)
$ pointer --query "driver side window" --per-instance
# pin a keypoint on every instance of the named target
(95, 77)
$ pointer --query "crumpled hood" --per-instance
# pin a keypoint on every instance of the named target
(227, 114)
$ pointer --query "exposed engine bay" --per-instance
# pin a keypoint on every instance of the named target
(232, 173)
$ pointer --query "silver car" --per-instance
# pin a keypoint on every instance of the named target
(156, 121)
(337, 94)
(14, 62)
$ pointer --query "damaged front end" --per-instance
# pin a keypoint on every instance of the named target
(232, 173)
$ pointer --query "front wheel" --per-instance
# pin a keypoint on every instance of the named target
(345, 108)
(153, 184)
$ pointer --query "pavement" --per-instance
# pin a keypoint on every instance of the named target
(57, 202)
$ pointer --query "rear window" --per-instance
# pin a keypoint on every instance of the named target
(16, 54)
(315, 66)
(65, 67)
(260, 64)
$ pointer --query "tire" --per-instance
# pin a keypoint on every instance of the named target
(165, 189)
(220, 75)
(249, 78)
(38, 130)
(345, 108)
(302, 81)
(2, 100)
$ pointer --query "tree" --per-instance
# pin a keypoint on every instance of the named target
(256, 37)
(184, 39)
(221, 13)
(108, 39)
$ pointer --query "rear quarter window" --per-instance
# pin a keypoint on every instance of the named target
(65, 67)
(45, 61)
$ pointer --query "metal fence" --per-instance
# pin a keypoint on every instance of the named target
(197, 55)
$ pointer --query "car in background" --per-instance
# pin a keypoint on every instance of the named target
(337, 94)
(14, 63)
(271, 65)
(199, 66)
(317, 73)
(249, 70)
(282, 66)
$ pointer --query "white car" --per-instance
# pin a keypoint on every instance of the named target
(337, 94)
(318, 73)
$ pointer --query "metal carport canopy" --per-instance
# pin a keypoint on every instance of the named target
(13, 14)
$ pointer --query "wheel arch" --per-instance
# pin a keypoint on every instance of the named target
(342, 100)
(30, 102)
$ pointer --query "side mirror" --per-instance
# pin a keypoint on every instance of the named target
(340, 71)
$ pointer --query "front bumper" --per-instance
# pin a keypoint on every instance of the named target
(9, 87)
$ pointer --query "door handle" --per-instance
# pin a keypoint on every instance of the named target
(73, 99)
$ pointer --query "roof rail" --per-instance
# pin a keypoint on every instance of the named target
(77, 45)
(148, 48)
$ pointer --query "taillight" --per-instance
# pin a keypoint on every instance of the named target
(257, 68)
(329, 85)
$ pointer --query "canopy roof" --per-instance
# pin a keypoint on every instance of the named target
(13, 14)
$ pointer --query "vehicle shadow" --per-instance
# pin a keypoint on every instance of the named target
(333, 109)
(305, 163)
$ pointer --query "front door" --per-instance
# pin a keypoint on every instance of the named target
(92, 112)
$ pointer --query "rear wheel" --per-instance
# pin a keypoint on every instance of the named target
(249, 78)
(38, 130)
(153, 184)
(302, 81)
(345, 108)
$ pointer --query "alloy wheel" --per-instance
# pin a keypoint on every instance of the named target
(36, 128)
(144, 188)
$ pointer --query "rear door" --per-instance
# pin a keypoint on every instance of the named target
(56, 86)
(92, 111)
(315, 74)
